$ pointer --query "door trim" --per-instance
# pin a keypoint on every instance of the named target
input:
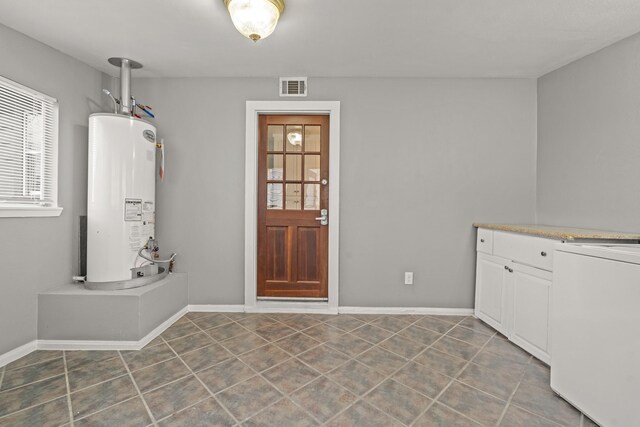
(253, 109)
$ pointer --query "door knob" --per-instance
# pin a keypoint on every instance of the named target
(543, 253)
(324, 217)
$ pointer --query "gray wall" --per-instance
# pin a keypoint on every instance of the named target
(38, 253)
(589, 141)
(420, 161)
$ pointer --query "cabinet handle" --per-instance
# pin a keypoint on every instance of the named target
(543, 253)
(506, 267)
(510, 270)
(481, 240)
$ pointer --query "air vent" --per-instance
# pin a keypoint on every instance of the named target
(293, 86)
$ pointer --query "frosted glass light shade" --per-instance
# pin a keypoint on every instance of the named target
(255, 19)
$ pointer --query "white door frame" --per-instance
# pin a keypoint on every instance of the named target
(254, 108)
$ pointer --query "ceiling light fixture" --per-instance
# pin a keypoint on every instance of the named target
(255, 19)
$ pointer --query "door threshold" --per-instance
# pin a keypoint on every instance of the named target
(280, 305)
(294, 299)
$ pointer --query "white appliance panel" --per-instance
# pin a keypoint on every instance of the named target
(595, 335)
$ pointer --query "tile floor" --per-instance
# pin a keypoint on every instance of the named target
(291, 370)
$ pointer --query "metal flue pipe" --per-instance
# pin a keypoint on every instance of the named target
(125, 65)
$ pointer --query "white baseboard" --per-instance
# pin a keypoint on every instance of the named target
(407, 310)
(110, 345)
(209, 308)
(17, 353)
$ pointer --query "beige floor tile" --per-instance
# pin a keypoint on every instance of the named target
(399, 401)
(155, 376)
(297, 343)
(422, 379)
(131, 413)
(372, 334)
(456, 348)
(98, 397)
(249, 397)
(382, 360)
(439, 415)
(265, 357)
(206, 357)
(363, 414)
(175, 396)
(205, 413)
(323, 398)
(473, 403)
(544, 402)
(402, 346)
(290, 375)
(356, 377)
(284, 413)
(323, 358)
(225, 374)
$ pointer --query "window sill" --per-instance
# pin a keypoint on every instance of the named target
(28, 212)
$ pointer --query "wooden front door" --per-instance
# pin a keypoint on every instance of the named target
(293, 193)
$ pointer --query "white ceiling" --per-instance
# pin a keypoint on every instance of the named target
(346, 38)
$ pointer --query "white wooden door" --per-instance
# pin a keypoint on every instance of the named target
(491, 291)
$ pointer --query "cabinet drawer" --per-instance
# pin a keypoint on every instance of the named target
(534, 251)
(485, 241)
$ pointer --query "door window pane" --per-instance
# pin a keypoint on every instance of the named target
(312, 167)
(294, 138)
(312, 138)
(274, 196)
(312, 197)
(294, 167)
(274, 166)
(294, 197)
(275, 136)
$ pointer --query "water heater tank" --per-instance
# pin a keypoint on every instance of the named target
(121, 194)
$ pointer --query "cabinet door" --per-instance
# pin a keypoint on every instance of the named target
(491, 292)
(531, 299)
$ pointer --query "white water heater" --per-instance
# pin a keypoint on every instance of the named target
(121, 194)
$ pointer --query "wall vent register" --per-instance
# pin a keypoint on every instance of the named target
(293, 86)
(28, 152)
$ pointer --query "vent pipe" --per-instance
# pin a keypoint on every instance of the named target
(125, 65)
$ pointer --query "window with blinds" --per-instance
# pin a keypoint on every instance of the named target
(28, 148)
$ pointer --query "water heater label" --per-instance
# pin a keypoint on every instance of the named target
(149, 135)
(132, 210)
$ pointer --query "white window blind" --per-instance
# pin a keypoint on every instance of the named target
(28, 148)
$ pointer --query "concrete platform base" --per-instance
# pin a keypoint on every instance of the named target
(73, 317)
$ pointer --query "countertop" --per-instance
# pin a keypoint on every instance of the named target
(564, 233)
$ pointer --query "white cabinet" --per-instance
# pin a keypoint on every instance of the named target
(531, 302)
(513, 288)
(491, 291)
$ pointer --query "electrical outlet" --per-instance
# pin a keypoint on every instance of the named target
(408, 277)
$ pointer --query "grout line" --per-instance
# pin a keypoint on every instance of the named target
(453, 377)
(34, 363)
(202, 382)
(284, 394)
(260, 374)
(186, 407)
(109, 407)
(388, 377)
(34, 405)
(66, 380)
(279, 320)
(144, 402)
